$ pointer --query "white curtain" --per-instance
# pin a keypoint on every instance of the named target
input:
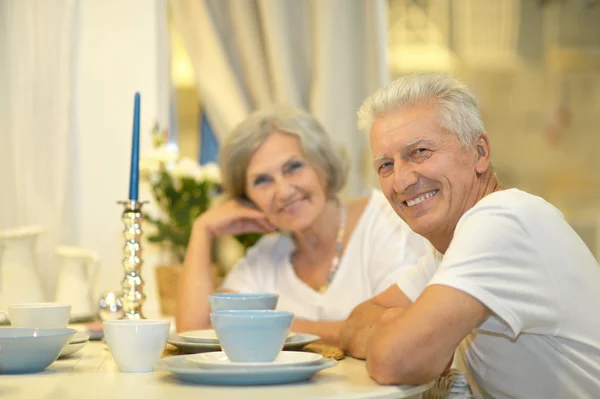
(36, 121)
(325, 56)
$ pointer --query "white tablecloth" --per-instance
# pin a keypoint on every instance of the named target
(92, 373)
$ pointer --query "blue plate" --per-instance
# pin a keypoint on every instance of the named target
(190, 372)
(30, 350)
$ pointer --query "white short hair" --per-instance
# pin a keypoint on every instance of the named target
(329, 159)
(456, 106)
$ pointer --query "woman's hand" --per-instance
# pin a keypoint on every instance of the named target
(233, 217)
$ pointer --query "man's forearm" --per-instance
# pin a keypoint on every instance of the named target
(359, 326)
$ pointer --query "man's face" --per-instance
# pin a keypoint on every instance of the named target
(425, 173)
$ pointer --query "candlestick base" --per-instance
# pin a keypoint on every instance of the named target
(132, 296)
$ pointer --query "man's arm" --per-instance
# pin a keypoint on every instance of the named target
(361, 323)
(415, 346)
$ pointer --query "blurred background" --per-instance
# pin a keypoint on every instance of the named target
(69, 70)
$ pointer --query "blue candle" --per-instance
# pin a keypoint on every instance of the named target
(134, 173)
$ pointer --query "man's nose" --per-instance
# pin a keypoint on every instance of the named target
(404, 176)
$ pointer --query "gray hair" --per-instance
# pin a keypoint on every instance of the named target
(456, 107)
(239, 146)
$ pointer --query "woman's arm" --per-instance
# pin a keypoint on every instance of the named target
(329, 331)
(361, 323)
(195, 282)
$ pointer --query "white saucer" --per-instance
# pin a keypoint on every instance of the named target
(209, 336)
(296, 342)
(71, 348)
(190, 372)
(79, 337)
(219, 360)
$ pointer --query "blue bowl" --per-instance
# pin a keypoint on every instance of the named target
(30, 350)
(239, 301)
(251, 335)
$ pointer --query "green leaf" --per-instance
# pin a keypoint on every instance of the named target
(181, 200)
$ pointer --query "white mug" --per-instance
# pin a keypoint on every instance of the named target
(39, 315)
(136, 345)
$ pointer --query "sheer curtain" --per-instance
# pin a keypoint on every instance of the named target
(36, 120)
(324, 56)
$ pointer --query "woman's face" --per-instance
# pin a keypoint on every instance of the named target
(284, 185)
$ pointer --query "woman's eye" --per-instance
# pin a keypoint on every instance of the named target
(259, 180)
(294, 166)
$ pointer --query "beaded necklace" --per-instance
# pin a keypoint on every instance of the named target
(335, 262)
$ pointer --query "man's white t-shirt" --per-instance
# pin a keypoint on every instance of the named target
(515, 253)
(380, 248)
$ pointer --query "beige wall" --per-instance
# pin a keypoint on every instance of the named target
(523, 67)
(535, 69)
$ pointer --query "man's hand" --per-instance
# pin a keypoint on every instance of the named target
(358, 328)
(391, 313)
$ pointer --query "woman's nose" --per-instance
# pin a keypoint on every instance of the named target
(284, 188)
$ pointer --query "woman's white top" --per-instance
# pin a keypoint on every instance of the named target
(380, 249)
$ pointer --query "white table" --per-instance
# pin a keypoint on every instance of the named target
(92, 373)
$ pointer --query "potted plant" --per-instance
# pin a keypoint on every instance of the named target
(182, 190)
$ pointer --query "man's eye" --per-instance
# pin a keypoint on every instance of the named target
(384, 166)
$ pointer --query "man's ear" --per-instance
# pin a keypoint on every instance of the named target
(483, 157)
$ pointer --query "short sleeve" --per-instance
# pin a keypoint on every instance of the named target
(242, 277)
(394, 247)
(414, 280)
(255, 272)
(494, 259)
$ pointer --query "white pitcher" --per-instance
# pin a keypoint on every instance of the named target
(76, 277)
(19, 278)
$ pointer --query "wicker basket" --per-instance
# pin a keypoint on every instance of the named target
(167, 279)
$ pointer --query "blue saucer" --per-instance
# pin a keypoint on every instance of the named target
(190, 372)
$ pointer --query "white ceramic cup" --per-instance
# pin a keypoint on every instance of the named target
(136, 345)
(39, 315)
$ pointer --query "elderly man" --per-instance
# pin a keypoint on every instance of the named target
(511, 291)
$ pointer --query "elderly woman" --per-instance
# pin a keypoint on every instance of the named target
(323, 256)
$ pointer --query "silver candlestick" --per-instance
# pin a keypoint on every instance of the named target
(132, 295)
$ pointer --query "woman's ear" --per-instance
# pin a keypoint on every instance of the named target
(483, 157)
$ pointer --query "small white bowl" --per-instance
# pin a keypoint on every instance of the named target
(31, 350)
(136, 345)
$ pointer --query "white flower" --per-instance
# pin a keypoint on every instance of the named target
(187, 167)
(149, 167)
(163, 154)
(211, 173)
(150, 164)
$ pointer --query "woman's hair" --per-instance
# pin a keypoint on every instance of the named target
(456, 107)
(239, 146)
